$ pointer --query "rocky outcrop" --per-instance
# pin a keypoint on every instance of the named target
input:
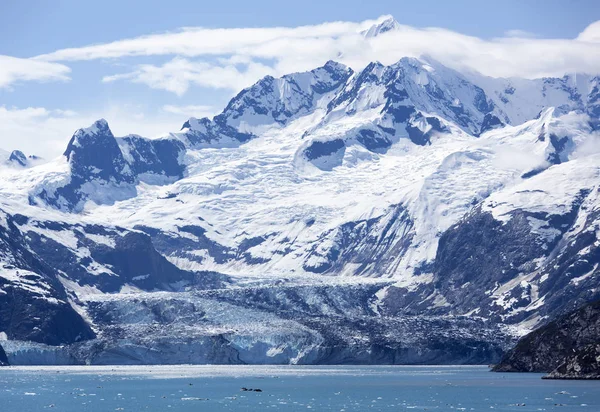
(153, 159)
(34, 305)
(18, 157)
(566, 347)
(105, 169)
(583, 364)
(3, 358)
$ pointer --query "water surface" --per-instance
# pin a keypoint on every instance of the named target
(288, 388)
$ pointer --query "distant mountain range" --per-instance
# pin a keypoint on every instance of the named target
(398, 214)
(18, 159)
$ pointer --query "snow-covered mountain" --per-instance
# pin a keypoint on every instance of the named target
(398, 214)
(388, 24)
(18, 159)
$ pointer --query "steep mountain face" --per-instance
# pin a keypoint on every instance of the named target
(387, 25)
(18, 157)
(3, 358)
(411, 99)
(533, 253)
(48, 265)
(102, 169)
(584, 364)
(34, 306)
(414, 86)
(566, 347)
(159, 160)
(521, 100)
(269, 102)
(400, 214)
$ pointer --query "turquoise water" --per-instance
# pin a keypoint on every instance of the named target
(288, 388)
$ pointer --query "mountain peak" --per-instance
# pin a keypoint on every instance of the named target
(333, 65)
(94, 146)
(89, 136)
(193, 123)
(384, 26)
(413, 61)
(18, 157)
(100, 126)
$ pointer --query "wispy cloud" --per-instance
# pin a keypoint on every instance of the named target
(23, 128)
(178, 74)
(521, 34)
(213, 57)
(197, 41)
(198, 111)
(14, 70)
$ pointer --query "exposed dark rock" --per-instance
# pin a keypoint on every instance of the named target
(264, 99)
(160, 157)
(482, 253)
(106, 169)
(420, 137)
(490, 122)
(33, 303)
(169, 244)
(561, 346)
(583, 364)
(319, 149)
(31, 317)
(95, 152)
(373, 141)
(18, 157)
(369, 245)
(3, 358)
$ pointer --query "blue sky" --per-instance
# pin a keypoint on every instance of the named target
(151, 85)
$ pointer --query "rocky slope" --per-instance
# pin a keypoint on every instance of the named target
(583, 364)
(567, 347)
(3, 358)
(397, 214)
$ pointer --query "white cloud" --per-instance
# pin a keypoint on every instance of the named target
(44, 132)
(591, 33)
(197, 111)
(306, 47)
(195, 41)
(36, 130)
(521, 34)
(14, 69)
(178, 74)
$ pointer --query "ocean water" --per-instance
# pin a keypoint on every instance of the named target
(288, 388)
